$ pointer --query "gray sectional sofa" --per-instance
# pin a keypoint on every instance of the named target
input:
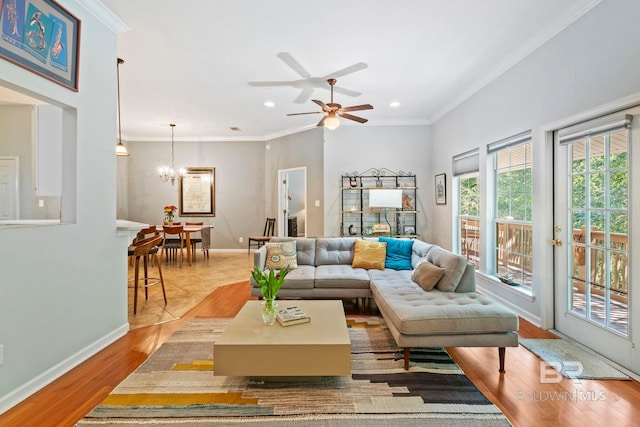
(452, 314)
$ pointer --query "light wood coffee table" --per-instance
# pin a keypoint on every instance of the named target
(318, 348)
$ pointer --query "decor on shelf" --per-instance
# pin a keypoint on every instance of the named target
(169, 173)
(169, 212)
(441, 189)
(270, 283)
(121, 150)
(42, 37)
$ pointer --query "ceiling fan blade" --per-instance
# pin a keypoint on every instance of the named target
(266, 84)
(351, 69)
(348, 92)
(358, 108)
(299, 114)
(354, 118)
(322, 104)
(303, 96)
(321, 122)
(288, 59)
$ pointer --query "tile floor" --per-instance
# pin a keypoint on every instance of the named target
(186, 286)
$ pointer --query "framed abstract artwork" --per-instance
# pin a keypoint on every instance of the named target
(42, 37)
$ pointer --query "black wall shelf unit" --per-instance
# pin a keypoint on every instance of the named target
(360, 219)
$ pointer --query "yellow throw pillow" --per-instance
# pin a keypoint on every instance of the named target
(427, 275)
(280, 255)
(369, 255)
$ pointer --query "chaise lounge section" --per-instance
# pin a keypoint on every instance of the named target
(433, 303)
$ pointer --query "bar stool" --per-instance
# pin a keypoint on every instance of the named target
(145, 249)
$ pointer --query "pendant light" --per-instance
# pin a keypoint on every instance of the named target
(121, 150)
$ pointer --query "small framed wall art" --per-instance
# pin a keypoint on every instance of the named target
(441, 189)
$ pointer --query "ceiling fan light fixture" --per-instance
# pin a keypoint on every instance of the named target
(331, 122)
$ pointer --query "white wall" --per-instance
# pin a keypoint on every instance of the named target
(591, 63)
(63, 288)
(358, 148)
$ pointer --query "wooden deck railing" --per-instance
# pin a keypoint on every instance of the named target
(615, 254)
(514, 253)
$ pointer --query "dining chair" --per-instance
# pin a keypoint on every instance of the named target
(143, 234)
(172, 244)
(145, 249)
(195, 240)
(257, 241)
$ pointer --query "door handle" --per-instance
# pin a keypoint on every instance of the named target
(556, 242)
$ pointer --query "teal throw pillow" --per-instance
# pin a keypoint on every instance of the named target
(398, 253)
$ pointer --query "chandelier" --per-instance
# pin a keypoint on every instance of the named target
(169, 173)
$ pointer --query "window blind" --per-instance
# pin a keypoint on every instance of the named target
(466, 162)
(596, 126)
(516, 139)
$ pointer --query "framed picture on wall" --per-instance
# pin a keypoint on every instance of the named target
(196, 192)
(441, 189)
(42, 37)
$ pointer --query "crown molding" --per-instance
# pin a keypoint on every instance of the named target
(101, 12)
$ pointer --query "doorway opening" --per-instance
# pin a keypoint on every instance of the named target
(292, 202)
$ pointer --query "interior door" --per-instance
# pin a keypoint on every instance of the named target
(9, 206)
(593, 236)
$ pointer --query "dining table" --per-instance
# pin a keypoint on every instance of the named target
(187, 230)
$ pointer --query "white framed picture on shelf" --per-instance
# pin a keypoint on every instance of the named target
(409, 229)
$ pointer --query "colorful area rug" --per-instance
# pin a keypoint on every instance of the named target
(176, 387)
(571, 361)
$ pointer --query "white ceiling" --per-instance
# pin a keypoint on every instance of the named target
(191, 62)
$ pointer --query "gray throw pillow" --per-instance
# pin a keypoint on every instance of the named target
(426, 275)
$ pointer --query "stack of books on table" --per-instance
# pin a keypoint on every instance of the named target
(292, 316)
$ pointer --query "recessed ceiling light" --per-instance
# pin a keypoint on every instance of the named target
(394, 104)
(269, 104)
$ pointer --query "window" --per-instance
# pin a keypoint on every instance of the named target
(465, 169)
(513, 196)
(469, 217)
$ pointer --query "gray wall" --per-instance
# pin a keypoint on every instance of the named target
(303, 149)
(16, 139)
(360, 147)
(239, 190)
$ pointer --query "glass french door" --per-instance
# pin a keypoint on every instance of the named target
(592, 240)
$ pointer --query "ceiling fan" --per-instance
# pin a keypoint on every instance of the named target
(308, 82)
(333, 110)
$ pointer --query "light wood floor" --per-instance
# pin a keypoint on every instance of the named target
(518, 392)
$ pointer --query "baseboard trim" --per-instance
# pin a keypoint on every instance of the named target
(16, 396)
